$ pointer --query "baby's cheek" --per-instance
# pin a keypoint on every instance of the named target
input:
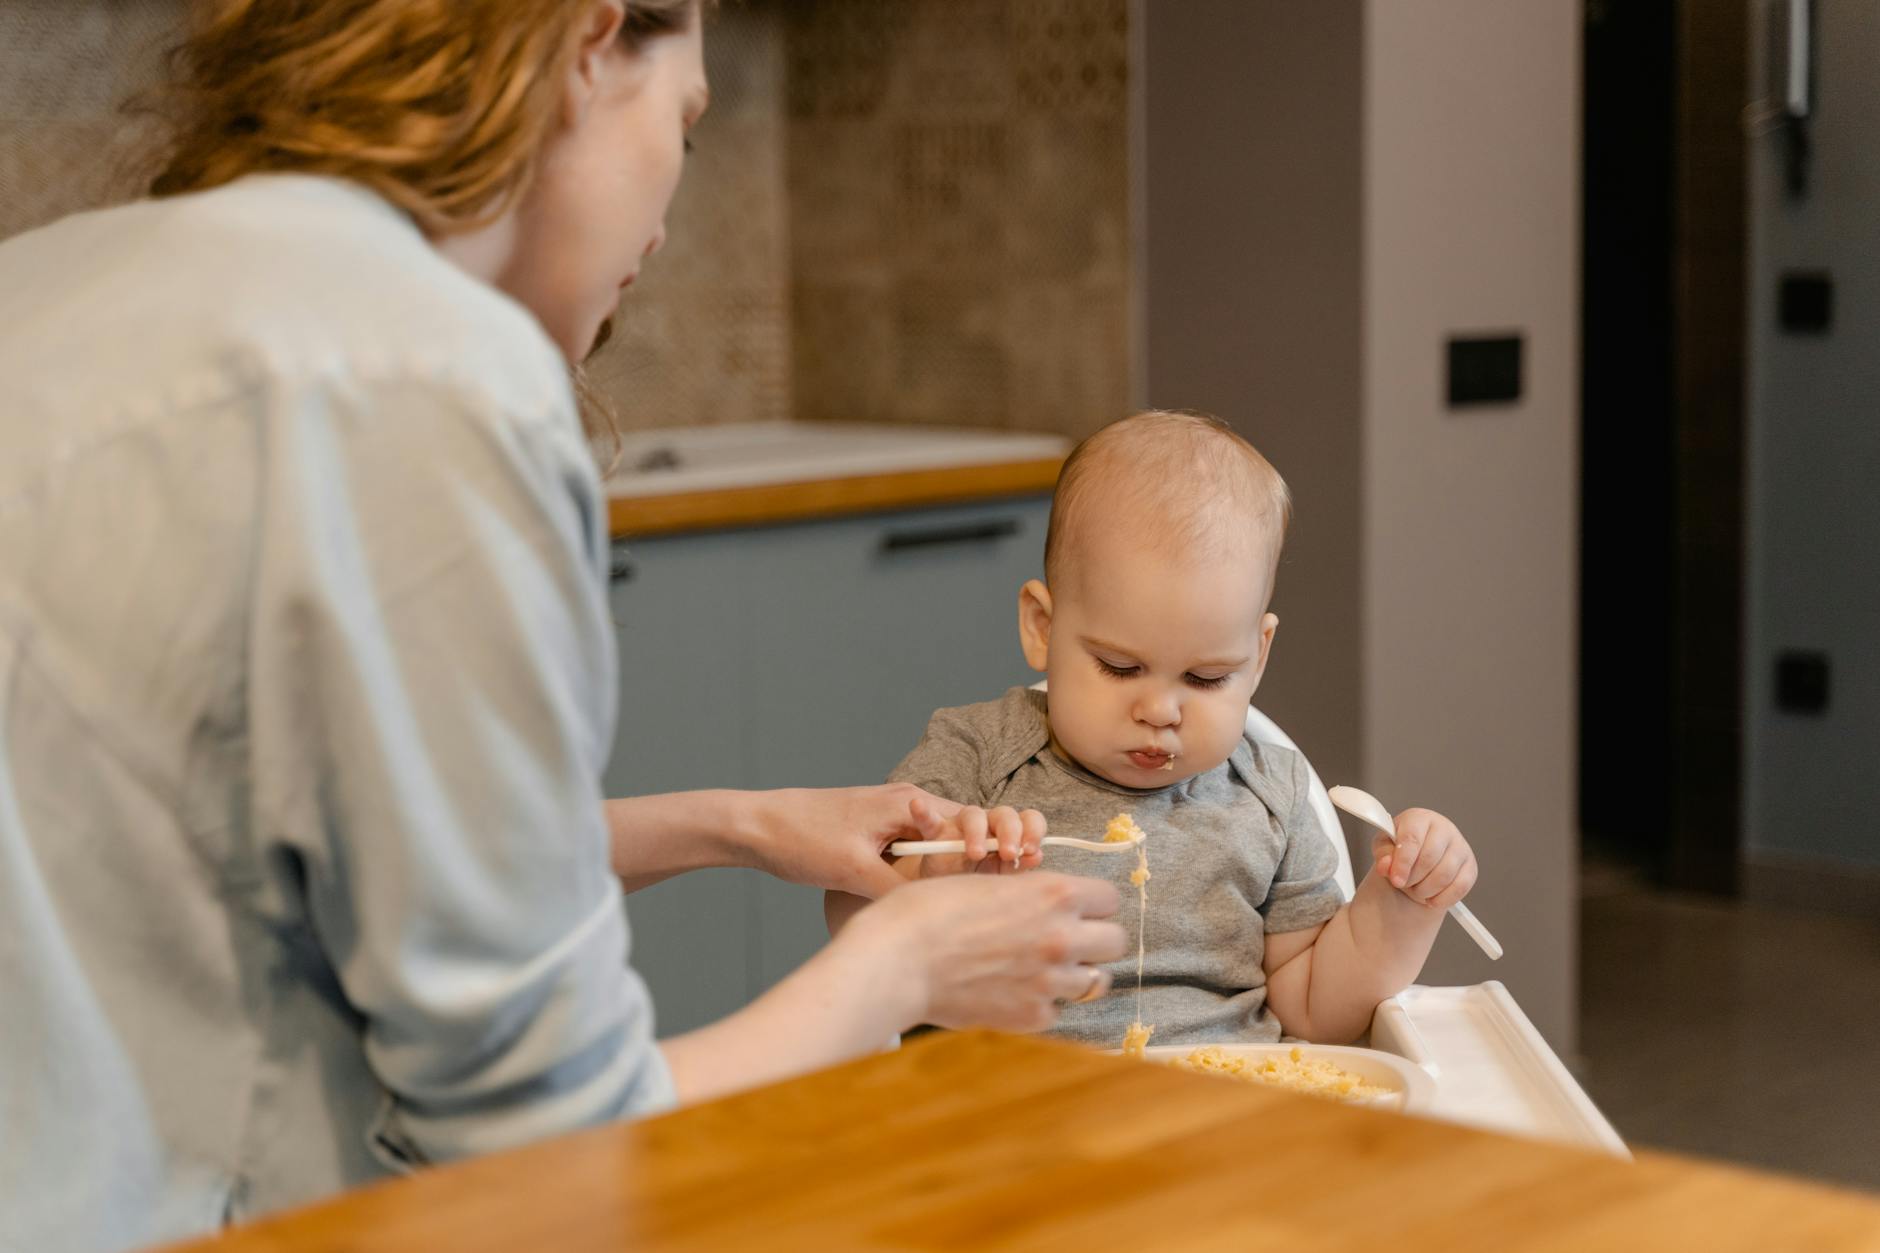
(1228, 726)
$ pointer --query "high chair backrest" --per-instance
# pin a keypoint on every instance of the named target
(1264, 730)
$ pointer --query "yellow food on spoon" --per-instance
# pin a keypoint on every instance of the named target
(1136, 1039)
(1122, 830)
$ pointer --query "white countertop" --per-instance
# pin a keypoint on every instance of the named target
(702, 458)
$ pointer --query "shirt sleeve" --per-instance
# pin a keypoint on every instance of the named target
(948, 760)
(432, 704)
(1305, 891)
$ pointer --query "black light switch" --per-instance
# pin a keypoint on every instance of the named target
(1484, 370)
(1805, 301)
(1802, 682)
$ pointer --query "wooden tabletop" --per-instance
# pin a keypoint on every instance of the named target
(770, 503)
(979, 1141)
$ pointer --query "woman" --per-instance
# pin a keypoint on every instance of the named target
(306, 673)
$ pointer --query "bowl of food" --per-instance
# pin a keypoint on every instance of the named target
(1353, 1076)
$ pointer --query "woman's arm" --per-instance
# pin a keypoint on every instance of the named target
(967, 951)
(656, 837)
(429, 688)
(829, 838)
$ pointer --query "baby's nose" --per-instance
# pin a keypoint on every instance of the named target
(1161, 712)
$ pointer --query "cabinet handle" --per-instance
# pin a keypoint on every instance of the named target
(965, 533)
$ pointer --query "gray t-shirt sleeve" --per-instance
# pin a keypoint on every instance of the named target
(1305, 891)
(949, 760)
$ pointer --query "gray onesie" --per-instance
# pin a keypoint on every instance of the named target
(1233, 854)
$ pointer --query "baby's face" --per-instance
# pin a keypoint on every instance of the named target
(1153, 661)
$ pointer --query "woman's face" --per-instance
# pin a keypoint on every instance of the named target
(597, 208)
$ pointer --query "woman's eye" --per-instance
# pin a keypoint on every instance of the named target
(1196, 680)
(1116, 672)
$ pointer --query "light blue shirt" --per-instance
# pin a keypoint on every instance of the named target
(307, 681)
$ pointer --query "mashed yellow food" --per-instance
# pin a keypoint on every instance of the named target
(1122, 830)
(1293, 1072)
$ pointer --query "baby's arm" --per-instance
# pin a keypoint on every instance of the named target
(1324, 983)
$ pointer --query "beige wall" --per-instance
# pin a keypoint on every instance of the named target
(959, 230)
(912, 211)
(1331, 190)
(65, 66)
(1471, 520)
(1251, 184)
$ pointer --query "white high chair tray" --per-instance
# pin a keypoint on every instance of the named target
(1492, 1068)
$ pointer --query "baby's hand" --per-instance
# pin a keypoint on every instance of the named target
(1019, 835)
(1430, 862)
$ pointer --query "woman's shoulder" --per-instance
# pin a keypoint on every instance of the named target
(369, 290)
(287, 277)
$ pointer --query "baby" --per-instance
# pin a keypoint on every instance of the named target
(1151, 626)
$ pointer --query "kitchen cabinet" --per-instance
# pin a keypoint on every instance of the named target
(808, 655)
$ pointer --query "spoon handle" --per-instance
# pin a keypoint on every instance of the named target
(1477, 932)
(1367, 808)
(921, 848)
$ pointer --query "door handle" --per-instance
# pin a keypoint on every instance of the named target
(941, 536)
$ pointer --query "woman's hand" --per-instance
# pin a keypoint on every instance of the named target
(1005, 953)
(837, 838)
(1430, 862)
(1019, 833)
(966, 951)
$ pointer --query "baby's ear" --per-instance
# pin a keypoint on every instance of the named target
(1034, 624)
(1269, 624)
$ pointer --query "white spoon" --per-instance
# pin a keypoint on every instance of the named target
(920, 848)
(1362, 805)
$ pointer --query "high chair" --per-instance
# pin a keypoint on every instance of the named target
(1492, 1068)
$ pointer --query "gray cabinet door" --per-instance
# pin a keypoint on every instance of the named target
(682, 727)
(859, 630)
(797, 656)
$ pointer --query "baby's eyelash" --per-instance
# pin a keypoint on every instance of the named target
(1196, 680)
(1116, 672)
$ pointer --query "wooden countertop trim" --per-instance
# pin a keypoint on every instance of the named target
(768, 503)
(976, 1141)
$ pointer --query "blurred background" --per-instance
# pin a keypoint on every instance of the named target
(1561, 318)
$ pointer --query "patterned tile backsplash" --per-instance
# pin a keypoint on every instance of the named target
(898, 210)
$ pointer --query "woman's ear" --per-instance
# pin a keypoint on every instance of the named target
(1034, 623)
(600, 34)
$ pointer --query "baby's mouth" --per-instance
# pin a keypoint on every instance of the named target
(1152, 759)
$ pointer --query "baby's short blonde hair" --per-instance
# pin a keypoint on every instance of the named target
(1181, 479)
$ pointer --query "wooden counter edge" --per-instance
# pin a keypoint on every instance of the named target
(597, 1166)
(632, 517)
